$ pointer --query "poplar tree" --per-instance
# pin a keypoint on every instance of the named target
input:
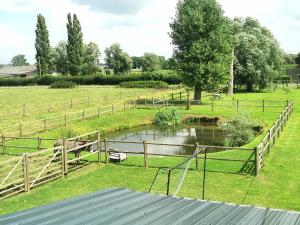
(42, 45)
(74, 45)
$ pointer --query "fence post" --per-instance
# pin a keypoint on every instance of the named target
(168, 182)
(20, 129)
(269, 141)
(62, 161)
(180, 96)
(99, 146)
(188, 107)
(212, 104)
(3, 143)
(24, 110)
(153, 106)
(237, 105)
(145, 102)
(26, 172)
(98, 111)
(45, 124)
(112, 108)
(145, 154)
(83, 114)
(197, 159)
(106, 151)
(71, 103)
(65, 156)
(263, 105)
(124, 106)
(172, 96)
(65, 119)
(39, 143)
(257, 163)
(204, 174)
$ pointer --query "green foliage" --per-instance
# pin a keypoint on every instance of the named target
(90, 59)
(117, 59)
(75, 45)
(151, 62)
(168, 117)
(136, 62)
(62, 85)
(42, 46)
(297, 59)
(200, 34)
(169, 77)
(61, 58)
(19, 60)
(258, 57)
(240, 130)
(145, 84)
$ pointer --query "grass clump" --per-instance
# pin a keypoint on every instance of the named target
(240, 129)
(145, 84)
(168, 117)
(62, 85)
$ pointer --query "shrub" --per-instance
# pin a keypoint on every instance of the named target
(168, 117)
(145, 84)
(62, 84)
(240, 130)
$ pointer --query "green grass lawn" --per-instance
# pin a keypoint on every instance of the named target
(276, 186)
(41, 102)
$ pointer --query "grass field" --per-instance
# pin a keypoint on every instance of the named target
(277, 185)
(27, 103)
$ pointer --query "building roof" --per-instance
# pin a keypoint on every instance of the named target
(17, 70)
(122, 206)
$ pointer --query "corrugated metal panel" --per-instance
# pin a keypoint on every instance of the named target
(122, 206)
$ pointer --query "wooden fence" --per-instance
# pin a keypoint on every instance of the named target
(23, 173)
(36, 126)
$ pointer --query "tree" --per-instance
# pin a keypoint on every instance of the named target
(42, 45)
(61, 58)
(200, 35)
(151, 62)
(297, 59)
(90, 59)
(19, 60)
(290, 58)
(259, 58)
(117, 59)
(170, 64)
(136, 62)
(75, 45)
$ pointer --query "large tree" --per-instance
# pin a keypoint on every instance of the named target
(117, 59)
(200, 35)
(42, 46)
(19, 60)
(61, 58)
(151, 62)
(258, 56)
(91, 58)
(75, 45)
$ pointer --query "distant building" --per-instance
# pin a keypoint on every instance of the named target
(17, 71)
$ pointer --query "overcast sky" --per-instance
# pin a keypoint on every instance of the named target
(138, 25)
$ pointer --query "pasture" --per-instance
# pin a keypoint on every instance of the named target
(276, 186)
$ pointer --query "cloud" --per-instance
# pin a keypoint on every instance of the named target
(119, 7)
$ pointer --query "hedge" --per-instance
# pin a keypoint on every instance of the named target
(62, 85)
(169, 77)
(145, 84)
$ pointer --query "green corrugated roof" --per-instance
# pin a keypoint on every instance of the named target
(122, 206)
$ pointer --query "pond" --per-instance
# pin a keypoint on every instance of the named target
(202, 133)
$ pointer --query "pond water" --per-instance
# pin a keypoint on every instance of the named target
(204, 134)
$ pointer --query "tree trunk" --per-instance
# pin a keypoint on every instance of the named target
(231, 77)
(249, 87)
(197, 95)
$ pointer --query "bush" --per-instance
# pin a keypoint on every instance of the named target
(240, 130)
(62, 85)
(169, 77)
(168, 117)
(145, 84)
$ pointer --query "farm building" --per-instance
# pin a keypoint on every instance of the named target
(122, 206)
(18, 71)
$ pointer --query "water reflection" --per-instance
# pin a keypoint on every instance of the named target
(204, 134)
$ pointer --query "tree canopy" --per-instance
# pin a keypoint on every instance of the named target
(91, 58)
(151, 62)
(118, 60)
(19, 60)
(75, 45)
(200, 35)
(42, 45)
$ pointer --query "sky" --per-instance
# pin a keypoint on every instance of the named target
(138, 25)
